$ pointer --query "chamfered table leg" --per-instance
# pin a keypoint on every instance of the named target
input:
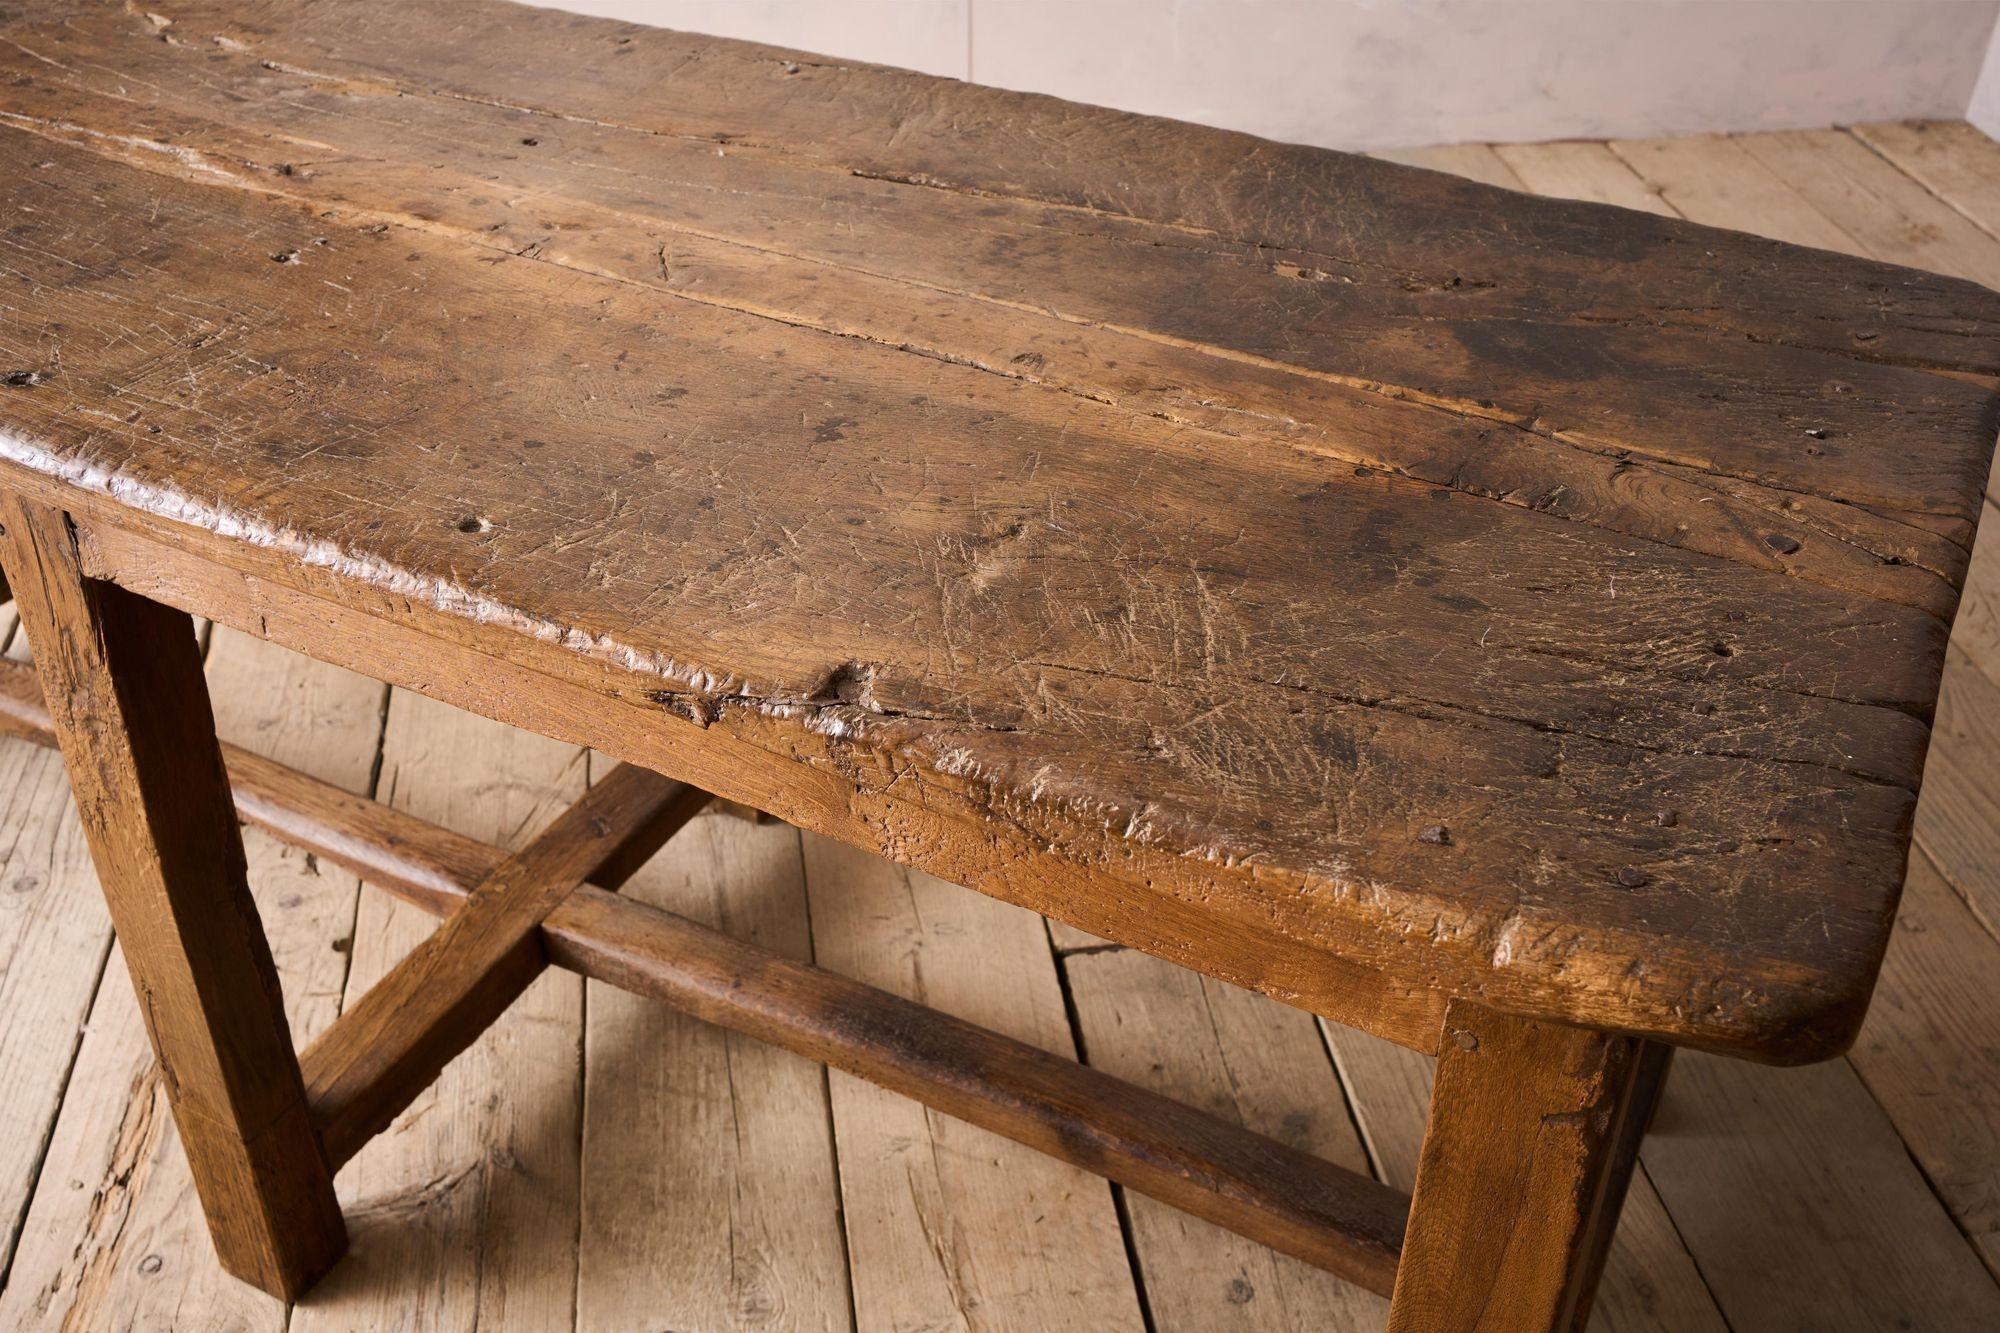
(124, 686)
(1534, 1129)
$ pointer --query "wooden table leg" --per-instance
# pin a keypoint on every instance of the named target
(1534, 1129)
(124, 685)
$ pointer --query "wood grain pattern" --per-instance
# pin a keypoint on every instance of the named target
(1245, 1061)
(465, 1213)
(1166, 917)
(1710, 177)
(1650, 1283)
(1926, 1053)
(391, 1043)
(1246, 505)
(962, 1228)
(1580, 171)
(1328, 1214)
(1951, 159)
(1752, 1153)
(115, 1237)
(53, 943)
(1933, 1006)
(710, 1195)
(1524, 1164)
(1806, 1160)
(123, 680)
(1891, 216)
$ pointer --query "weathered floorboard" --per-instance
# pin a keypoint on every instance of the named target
(122, 679)
(1922, 1052)
(464, 1214)
(1949, 158)
(53, 941)
(1809, 1156)
(948, 1224)
(1587, 171)
(391, 1042)
(1712, 177)
(1554, 404)
(1958, 821)
(1649, 1283)
(1301, 1204)
(1246, 1061)
(1473, 161)
(115, 1237)
(1929, 1054)
(1890, 215)
(709, 1193)
(1347, 389)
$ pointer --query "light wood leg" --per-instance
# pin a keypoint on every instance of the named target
(1534, 1129)
(123, 681)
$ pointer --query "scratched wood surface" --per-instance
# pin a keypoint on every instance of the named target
(1516, 599)
(1855, 1195)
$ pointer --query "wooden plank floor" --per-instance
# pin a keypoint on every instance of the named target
(599, 1163)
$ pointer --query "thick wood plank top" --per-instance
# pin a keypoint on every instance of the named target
(1541, 602)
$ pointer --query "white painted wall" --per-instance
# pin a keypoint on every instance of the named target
(1984, 108)
(931, 35)
(1394, 73)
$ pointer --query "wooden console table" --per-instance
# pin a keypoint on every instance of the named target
(1506, 626)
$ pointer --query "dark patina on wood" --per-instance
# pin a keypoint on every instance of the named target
(1474, 618)
(1314, 1210)
(1170, 514)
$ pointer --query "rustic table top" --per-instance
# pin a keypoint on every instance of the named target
(1539, 601)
